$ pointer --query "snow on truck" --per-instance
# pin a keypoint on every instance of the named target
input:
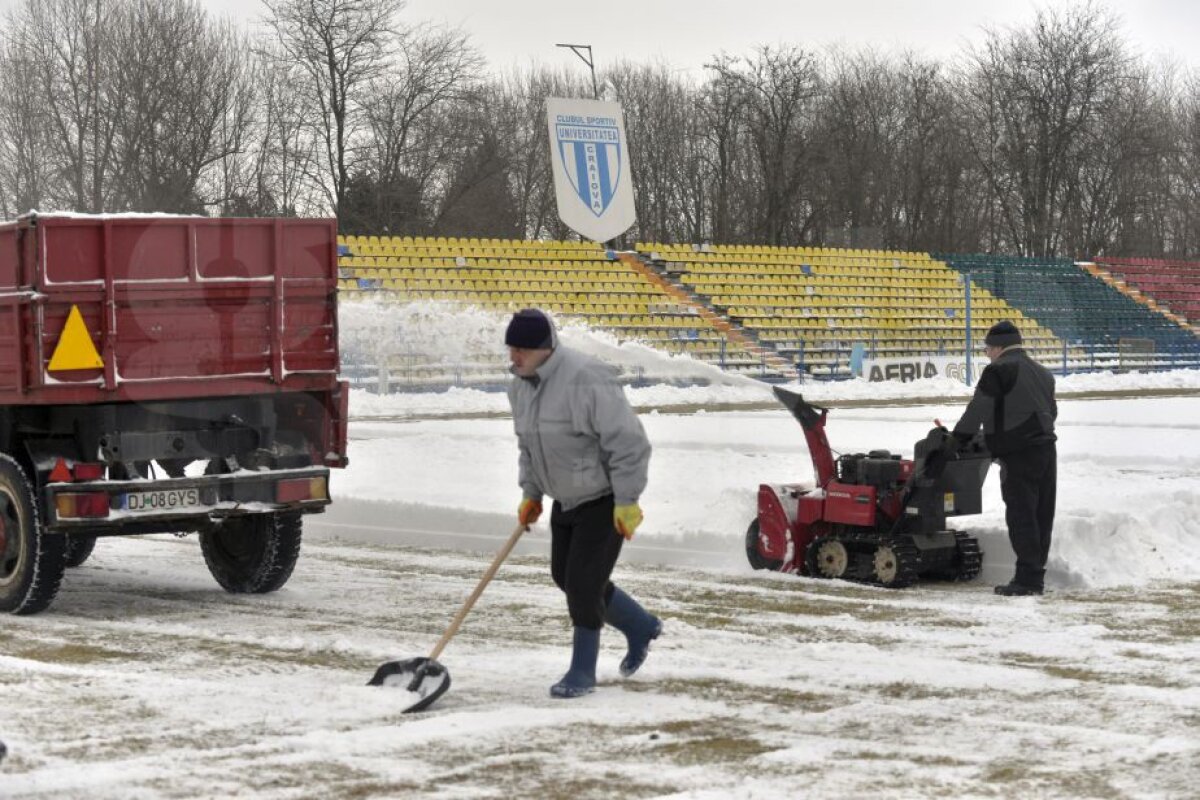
(165, 374)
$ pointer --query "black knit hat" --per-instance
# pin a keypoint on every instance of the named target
(530, 329)
(1003, 334)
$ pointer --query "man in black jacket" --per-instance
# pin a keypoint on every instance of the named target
(1014, 402)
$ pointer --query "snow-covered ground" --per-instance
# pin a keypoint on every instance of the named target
(144, 680)
(1128, 495)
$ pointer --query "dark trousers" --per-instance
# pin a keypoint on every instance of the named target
(1028, 483)
(584, 546)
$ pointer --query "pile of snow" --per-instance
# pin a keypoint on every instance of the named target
(450, 334)
(453, 335)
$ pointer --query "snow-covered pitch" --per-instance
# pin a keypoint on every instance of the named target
(145, 680)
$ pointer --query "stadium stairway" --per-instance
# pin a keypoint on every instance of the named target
(1170, 287)
(687, 298)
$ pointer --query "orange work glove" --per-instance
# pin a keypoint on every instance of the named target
(529, 511)
(627, 518)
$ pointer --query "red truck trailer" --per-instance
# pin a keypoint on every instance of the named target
(165, 374)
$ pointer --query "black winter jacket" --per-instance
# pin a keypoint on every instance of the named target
(1014, 402)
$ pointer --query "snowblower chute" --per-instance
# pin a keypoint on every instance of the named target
(874, 517)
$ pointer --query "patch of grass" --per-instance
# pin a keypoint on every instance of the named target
(713, 749)
(243, 652)
(1076, 674)
(527, 776)
(738, 693)
(73, 653)
(1071, 672)
(1020, 779)
(1005, 772)
(713, 621)
(904, 690)
(938, 761)
(867, 755)
(701, 741)
(714, 608)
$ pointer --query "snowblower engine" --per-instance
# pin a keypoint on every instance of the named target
(875, 517)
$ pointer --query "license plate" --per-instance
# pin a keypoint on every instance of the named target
(163, 500)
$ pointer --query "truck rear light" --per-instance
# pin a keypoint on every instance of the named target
(298, 489)
(66, 473)
(88, 472)
(71, 505)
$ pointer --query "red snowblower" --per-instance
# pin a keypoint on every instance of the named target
(872, 518)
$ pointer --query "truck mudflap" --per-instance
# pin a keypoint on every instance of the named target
(134, 506)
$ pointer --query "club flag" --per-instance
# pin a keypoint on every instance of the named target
(589, 155)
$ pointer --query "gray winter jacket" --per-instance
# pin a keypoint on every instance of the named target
(578, 435)
(1014, 402)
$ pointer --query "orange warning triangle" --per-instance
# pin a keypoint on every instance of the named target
(61, 472)
(75, 349)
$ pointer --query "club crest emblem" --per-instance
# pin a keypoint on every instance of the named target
(590, 151)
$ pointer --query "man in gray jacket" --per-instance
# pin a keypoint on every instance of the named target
(580, 443)
(1014, 402)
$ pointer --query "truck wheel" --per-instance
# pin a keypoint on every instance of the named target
(253, 554)
(32, 562)
(79, 547)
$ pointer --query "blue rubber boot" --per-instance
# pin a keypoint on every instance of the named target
(581, 677)
(639, 626)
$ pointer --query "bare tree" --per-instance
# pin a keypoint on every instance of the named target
(24, 175)
(519, 112)
(780, 87)
(721, 105)
(184, 103)
(665, 150)
(938, 199)
(1184, 170)
(1030, 97)
(342, 46)
(433, 69)
(858, 129)
(286, 152)
(68, 44)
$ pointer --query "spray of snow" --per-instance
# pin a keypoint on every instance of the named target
(457, 337)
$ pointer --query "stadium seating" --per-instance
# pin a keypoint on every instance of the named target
(1077, 307)
(770, 311)
(814, 304)
(1172, 285)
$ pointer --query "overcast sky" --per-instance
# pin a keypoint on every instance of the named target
(686, 33)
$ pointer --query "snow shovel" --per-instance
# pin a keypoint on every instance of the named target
(424, 678)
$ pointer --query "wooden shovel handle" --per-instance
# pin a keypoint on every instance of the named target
(483, 582)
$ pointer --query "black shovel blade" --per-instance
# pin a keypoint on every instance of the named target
(424, 679)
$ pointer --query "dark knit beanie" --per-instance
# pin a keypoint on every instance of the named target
(530, 329)
(1003, 334)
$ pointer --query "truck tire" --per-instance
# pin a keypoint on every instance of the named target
(32, 562)
(253, 554)
(79, 547)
